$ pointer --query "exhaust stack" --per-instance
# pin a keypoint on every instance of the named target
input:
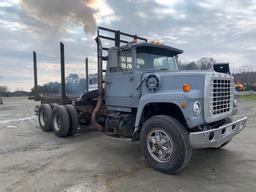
(100, 87)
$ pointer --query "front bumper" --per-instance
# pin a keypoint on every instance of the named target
(214, 138)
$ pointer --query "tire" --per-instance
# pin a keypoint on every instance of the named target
(53, 105)
(45, 117)
(179, 149)
(73, 119)
(60, 121)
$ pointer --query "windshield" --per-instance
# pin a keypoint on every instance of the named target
(155, 58)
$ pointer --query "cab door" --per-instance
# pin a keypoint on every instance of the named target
(121, 83)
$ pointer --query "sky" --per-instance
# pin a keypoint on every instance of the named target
(222, 29)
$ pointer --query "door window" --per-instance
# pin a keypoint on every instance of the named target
(124, 61)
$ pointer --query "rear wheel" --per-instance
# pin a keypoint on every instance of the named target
(165, 145)
(53, 105)
(45, 117)
(60, 121)
(73, 119)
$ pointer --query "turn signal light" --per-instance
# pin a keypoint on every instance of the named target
(186, 87)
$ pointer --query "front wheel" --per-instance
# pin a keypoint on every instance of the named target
(165, 144)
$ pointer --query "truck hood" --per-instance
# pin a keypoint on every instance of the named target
(174, 81)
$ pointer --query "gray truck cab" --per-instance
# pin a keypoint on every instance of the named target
(127, 69)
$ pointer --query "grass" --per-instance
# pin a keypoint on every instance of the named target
(247, 97)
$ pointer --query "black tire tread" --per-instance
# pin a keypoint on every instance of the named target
(73, 119)
(46, 108)
(65, 121)
(53, 105)
(180, 131)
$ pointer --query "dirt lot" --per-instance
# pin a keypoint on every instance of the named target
(32, 160)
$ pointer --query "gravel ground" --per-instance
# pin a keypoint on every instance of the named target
(32, 160)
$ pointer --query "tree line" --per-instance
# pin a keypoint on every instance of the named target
(77, 86)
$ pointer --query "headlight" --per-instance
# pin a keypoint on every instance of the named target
(196, 108)
(235, 102)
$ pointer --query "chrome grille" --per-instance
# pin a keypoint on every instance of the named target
(220, 96)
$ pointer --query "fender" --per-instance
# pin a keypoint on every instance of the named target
(173, 97)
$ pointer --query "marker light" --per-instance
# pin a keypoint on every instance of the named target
(186, 87)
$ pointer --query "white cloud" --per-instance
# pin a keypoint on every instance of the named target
(104, 14)
(68, 40)
(142, 15)
(9, 3)
(12, 25)
(168, 3)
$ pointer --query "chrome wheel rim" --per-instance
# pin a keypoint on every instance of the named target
(56, 123)
(160, 145)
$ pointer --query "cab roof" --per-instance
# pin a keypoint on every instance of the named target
(160, 46)
(174, 50)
